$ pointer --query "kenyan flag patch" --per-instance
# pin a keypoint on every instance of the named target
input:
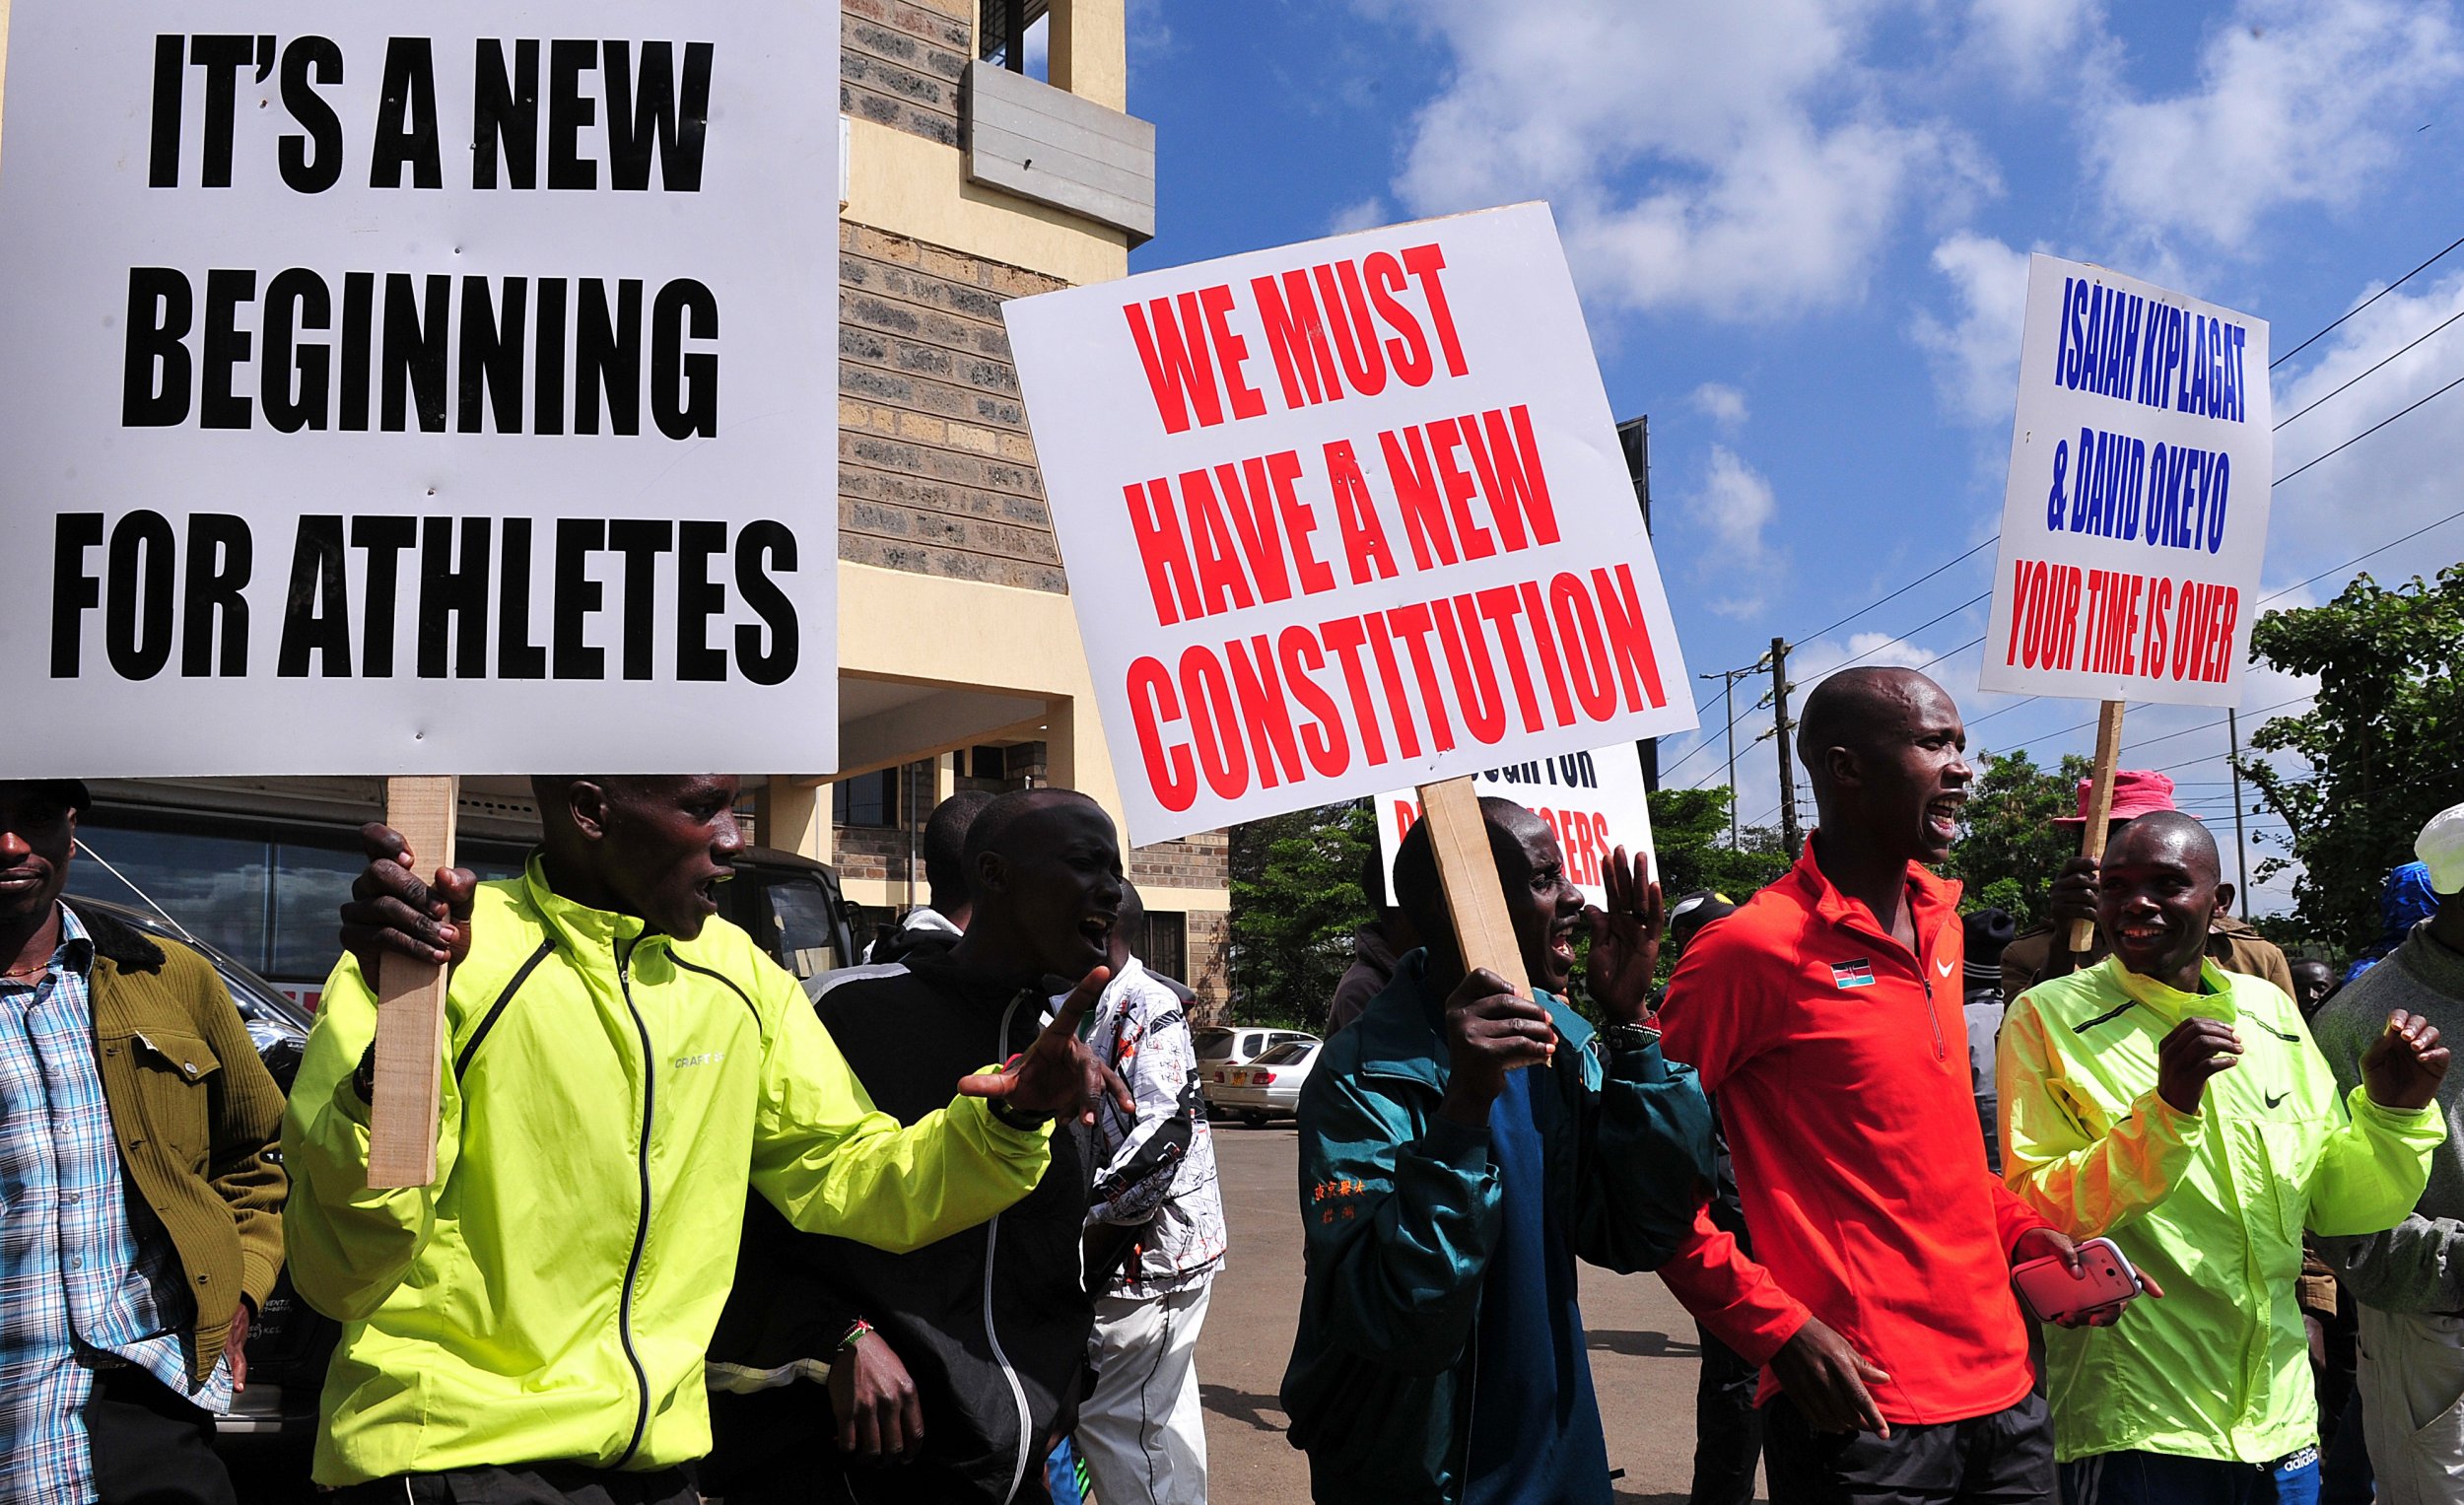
(1856, 974)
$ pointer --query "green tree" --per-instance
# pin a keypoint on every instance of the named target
(2384, 741)
(2010, 849)
(1296, 899)
(1689, 838)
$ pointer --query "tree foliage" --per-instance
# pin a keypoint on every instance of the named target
(1689, 832)
(2010, 849)
(1296, 899)
(2384, 741)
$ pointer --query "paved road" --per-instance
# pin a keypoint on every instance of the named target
(1642, 1343)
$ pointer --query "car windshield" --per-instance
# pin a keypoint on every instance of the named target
(1285, 1054)
(1215, 1045)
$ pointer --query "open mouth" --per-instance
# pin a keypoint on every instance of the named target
(1561, 944)
(2143, 934)
(1942, 814)
(1097, 928)
(705, 892)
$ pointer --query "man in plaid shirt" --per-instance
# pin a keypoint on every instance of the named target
(143, 1213)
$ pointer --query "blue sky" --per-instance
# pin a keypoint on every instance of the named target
(1800, 228)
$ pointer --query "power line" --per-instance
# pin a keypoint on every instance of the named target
(2365, 433)
(2365, 303)
(2372, 371)
(2357, 558)
(1902, 590)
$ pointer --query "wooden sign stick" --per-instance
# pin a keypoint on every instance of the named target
(2100, 810)
(410, 1006)
(1467, 873)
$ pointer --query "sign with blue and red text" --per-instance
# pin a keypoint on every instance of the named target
(2135, 518)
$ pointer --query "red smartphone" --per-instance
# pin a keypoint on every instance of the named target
(2051, 1292)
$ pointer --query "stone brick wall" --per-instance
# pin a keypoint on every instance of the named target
(900, 62)
(936, 474)
(1203, 860)
(870, 852)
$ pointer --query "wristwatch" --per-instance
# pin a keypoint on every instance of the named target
(1630, 1037)
(1025, 1123)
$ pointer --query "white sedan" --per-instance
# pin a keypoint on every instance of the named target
(1266, 1088)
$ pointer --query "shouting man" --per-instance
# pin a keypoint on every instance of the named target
(1827, 1018)
(1461, 1146)
(620, 1065)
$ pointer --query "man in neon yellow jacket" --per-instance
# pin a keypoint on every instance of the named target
(2182, 1110)
(619, 1066)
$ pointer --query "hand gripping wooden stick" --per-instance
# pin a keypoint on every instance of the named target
(410, 1007)
(2099, 808)
(1467, 872)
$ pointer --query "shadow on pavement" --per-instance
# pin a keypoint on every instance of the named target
(1263, 1412)
(1643, 1345)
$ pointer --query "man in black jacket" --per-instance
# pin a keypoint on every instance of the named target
(951, 1371)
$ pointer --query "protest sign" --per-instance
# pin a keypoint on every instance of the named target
(1595, 803)
(1345, 516)
(418, 390)
(2135, 520)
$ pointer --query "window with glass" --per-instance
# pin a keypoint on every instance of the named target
(1167, 944)
(867, 800)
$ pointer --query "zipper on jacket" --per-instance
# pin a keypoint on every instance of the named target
(992, 1337)
(1923, 979)
(641, 1226)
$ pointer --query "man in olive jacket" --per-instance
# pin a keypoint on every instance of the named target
(144, 1211)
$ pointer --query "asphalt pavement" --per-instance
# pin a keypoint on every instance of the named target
(1644, 1356)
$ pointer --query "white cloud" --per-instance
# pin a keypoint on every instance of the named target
(1976, 352)
(1368, 214)
(2298, 102)
(2026, 42)
(1720, 402)
(1740, 160)
(1736, 506)
(2397, 479)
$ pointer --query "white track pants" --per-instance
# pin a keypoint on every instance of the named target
(1141, 1432)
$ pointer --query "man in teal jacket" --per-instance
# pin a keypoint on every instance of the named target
(2182, 1110)
(1461, 1146)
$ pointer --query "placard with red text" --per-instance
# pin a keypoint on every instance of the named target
(2135, 518)
(1594, 801)
(1343, 516)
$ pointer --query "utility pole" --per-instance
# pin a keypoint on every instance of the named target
(1728, 679)
(1783, 729)
(2241, 845)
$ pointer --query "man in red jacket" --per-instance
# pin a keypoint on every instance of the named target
(1825, 1017)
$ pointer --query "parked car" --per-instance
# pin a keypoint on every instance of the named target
(792, 907)
(289, 1343)
(1221, 1046)
(1266, 1088)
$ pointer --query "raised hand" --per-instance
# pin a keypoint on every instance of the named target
(392, 911)
(1057, 1075)
(1625, 939)
(2195, 1050)
(2405, 1064)
(1827, 1378)
(1490, 1030)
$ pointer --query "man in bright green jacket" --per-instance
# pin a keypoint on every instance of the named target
(619, 1066)
(2182, 1110)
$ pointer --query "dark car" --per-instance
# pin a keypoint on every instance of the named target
(289, 1343)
